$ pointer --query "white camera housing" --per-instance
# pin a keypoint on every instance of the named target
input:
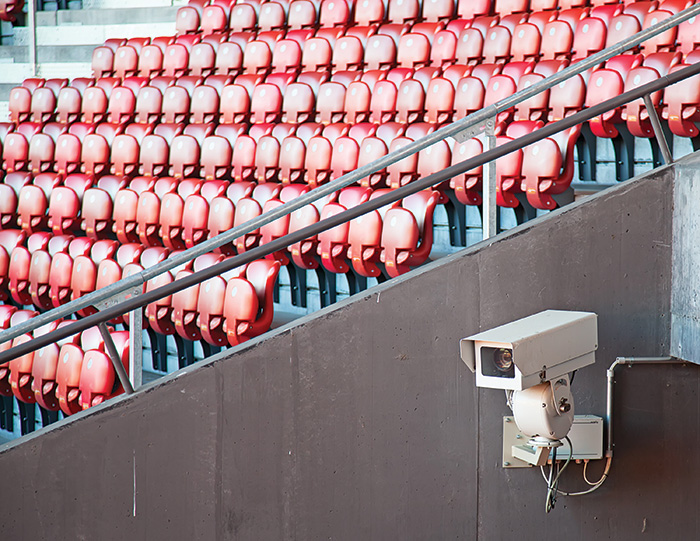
(532, 350)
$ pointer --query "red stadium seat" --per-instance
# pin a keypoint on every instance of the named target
(98, 381)
(126, 61)
(248, 312)
(41, 153)
(69, 105)
(148, 211)
(257, 58)
(243, 161)
(318, 161)
(98, 205)
(33, 202)
(43, 105)
(470, 47)
(333, 243)
(94, 106)
(666, 41)
(102, 62)
(467, 185)
(557, 40)
(229, 59)
(497, 44)
(266, 104)
(65, 203)
(407, 235)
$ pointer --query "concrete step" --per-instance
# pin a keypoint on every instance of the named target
(14, 73)
(60, 53)
(93, 34)
(112, 4)
(117, 15)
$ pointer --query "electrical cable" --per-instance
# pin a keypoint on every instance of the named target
(552, 485)
(593, 488)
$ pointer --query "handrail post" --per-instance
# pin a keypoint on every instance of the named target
(31, 27)
(489, 208)
(658, 130)
(114, 357)
(136, 347)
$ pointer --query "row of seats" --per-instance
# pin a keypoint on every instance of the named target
(299, 15)
(71, 375)
(414, 48)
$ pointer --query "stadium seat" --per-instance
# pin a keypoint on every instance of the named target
(102, 62)
(65, 203)
(98, 381)
(43, 105)
(44, 370)
(407, 234)
(68, 105)
(248, 311)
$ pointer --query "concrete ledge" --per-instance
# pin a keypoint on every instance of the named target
(93, 34)
(119, 15)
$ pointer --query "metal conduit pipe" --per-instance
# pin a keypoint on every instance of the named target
(452, 130)
(134, 303)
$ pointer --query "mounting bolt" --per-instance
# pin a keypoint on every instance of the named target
(506, 464)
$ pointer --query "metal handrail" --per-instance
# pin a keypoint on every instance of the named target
(374, 204)
(451, 130)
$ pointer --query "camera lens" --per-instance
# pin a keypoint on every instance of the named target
(497, 362)
(503, 359)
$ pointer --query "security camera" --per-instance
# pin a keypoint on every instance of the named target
(531, 359)
(533, 350)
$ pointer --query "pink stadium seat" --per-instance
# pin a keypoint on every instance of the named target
(243, 161)
(470, 47)
(97, 207)
(126, 61)
(196, 211)
(335, 13)
(20, 266)
(65, 203)
(407, 234)
(497, 44)
(69, 105)
(557, 40)
(202, 60)
(681, 103)
(318, 161)
(229, 59)
(333, 243)
(102, 62)
(43, 105)
(548, 167)
(15, 153)
(299, 104)
(176, 105)
(469, 96)
(536, 107)
(98, 381)
(171, 212)
(248, 312)
(467, 186)
(266, 104)
(44, 371)
(148, 211)
(41, 153)
(604, 84)
(589, 38)
(267, 153)
(94, 105)
(621, 27)
(666, 41)
(257, 58)
(635, 112)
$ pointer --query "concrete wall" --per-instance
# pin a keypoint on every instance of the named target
(362, 422)
(685, 298)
